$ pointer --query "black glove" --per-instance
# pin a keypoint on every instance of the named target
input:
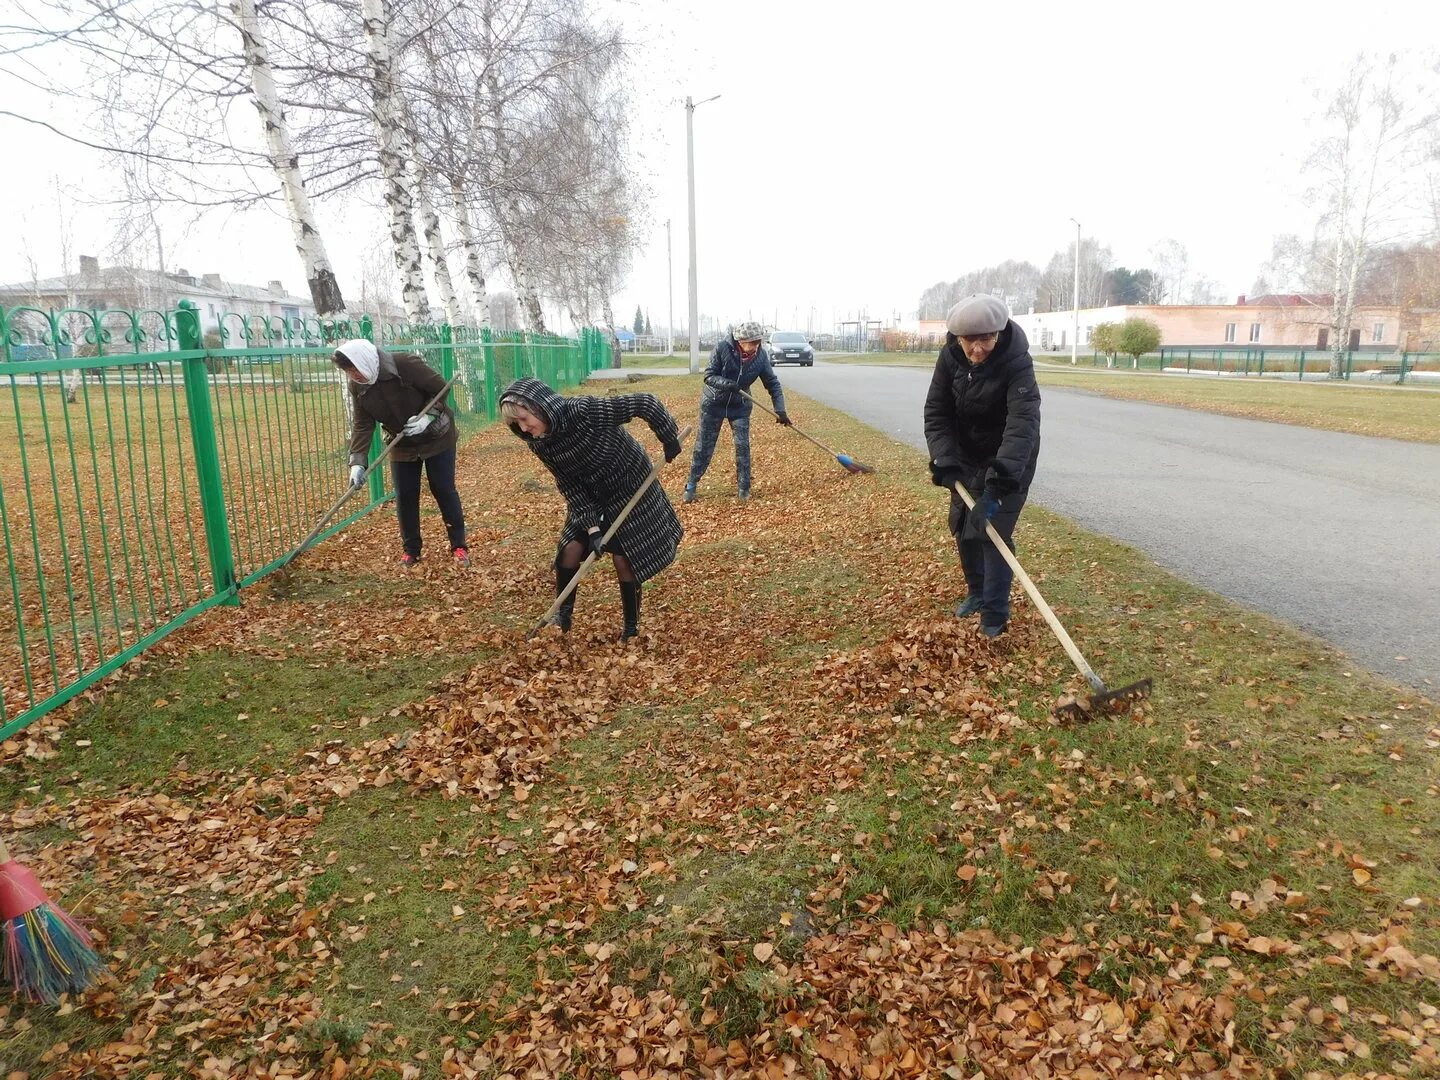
(729, 386)
(596, 542)
(782, 417)
(987, 505)
(946, 476)
(672, 451)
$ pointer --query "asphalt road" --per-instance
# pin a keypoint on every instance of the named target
(1337, 534)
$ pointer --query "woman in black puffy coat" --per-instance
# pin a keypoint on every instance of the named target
(982, 428)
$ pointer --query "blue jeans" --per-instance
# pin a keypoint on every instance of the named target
(987, 574)
(440, 471)
(710, 425)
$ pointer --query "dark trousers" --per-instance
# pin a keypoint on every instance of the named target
(440, 471)
(987, 574)
(710, 425)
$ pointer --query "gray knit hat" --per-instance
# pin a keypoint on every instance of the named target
(749, 331)
(977, 315)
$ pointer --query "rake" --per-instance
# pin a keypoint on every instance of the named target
(282, 569)
(845, 460)
(1101, 697)
(591, 559)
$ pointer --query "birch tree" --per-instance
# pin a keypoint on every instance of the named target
(390, 137)
(309, 243)
(1367, 172)
(449, 121)
(435, 250)
(162, 77)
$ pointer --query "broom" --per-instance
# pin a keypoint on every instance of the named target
(46, 953)
(845, 460)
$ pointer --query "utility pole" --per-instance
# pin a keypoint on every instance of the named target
(690, 107)
(670, 291)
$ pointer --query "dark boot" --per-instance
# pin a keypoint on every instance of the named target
(630, 602)
(567, 609)
(971, 605)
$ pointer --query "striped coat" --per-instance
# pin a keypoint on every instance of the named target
(598, 465)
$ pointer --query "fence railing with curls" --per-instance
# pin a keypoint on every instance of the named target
(154, 469)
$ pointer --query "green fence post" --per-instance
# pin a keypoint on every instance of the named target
(377, 440)
(1404, 357)
(447, 361)
(492, 388)
(204, 442)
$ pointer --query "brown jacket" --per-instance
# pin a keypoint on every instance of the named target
(405, 383)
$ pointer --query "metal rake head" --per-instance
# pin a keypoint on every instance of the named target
(1104, 701)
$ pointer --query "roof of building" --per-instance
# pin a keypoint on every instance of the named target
(1286, 300)
(113, 279)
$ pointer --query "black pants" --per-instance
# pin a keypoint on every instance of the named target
(440, 470)
(987, 574)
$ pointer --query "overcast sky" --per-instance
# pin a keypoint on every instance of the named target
(855, 158)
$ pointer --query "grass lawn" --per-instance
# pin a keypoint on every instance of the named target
(1393, 412)
(809, 823)
(653, 360)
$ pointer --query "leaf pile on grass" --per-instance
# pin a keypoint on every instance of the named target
(807, 825)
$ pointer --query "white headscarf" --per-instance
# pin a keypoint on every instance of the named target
(364, 356)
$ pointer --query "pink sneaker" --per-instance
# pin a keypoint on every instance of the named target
(409, 560)
(462, 557)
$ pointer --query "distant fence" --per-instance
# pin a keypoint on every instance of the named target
(165, 475)
(1396, 367)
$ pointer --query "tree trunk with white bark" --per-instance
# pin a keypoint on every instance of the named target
(511, 216)
(398, 198)
(474, 267)
(610, 334)
(435, 248)
(319, 276)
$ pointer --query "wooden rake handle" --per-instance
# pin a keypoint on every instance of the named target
(590, 560)
(1084, 668)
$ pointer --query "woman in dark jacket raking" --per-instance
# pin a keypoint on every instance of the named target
(982, 428)
(598, 466)
(390, 389)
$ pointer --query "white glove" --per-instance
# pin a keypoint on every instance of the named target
(416, 425)
(357, 475)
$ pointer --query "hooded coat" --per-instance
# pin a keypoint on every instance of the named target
(983, 420)
(399, 386)
(598, 466)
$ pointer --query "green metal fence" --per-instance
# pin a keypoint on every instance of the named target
(1398, 367)
(152, 472)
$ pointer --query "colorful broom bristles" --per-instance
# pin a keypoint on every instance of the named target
(45, 953)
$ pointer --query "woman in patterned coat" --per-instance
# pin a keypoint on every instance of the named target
(598, 466)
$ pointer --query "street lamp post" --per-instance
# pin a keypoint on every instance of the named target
(690, 107)
(669, 292)
(1075, 337)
